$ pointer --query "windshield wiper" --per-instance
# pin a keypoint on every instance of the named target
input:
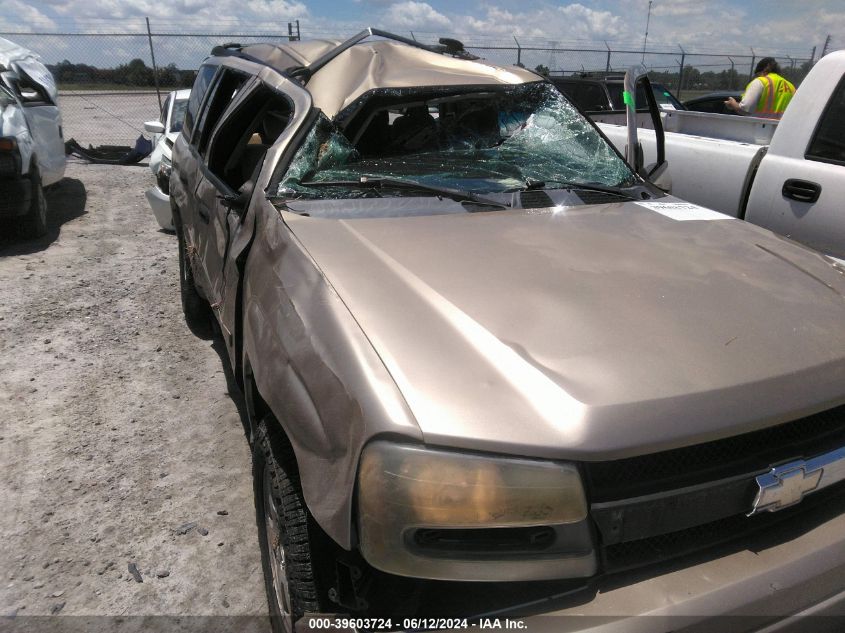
(395, 183)
(531, 185)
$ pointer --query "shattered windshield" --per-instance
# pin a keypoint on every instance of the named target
(482, 142)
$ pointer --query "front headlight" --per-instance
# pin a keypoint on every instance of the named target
(451, 515)
(165, 166)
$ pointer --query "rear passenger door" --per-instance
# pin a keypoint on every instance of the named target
(231, 162)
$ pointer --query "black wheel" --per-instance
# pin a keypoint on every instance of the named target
(283, 532)
(34, 223)
(196, 309)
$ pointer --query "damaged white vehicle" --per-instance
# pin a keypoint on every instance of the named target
(32, 150)
(164, 132)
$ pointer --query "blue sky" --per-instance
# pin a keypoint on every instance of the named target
(700, 25)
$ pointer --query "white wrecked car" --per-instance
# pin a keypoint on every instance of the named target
(164, 132)
(32, 150)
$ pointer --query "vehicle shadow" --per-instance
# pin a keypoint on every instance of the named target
(66, 201)
(235, 393)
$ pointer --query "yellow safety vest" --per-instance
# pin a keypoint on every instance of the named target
(776, 95)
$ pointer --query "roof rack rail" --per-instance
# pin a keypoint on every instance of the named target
(229, 48)
(233, 49)
(447, 46)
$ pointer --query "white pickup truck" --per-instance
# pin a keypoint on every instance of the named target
(788, 176)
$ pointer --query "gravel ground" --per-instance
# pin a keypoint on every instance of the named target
(117, 427)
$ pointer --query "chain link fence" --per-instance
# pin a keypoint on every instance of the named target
(111, 83)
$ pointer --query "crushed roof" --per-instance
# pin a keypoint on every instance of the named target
(380, 64)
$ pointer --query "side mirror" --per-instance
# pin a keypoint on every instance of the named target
(238, 202)
(154, 127)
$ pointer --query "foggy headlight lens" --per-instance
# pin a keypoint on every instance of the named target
(404, 487)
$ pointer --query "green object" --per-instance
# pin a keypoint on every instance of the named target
(628, 98)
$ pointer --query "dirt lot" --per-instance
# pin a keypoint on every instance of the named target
(116, 424)
(102, 117)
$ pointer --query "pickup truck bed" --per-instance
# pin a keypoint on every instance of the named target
(788, 176)
(723, 171)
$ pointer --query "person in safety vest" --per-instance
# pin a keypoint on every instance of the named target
(767, 95)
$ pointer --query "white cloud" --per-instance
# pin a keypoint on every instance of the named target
(584, 22)
(16, 13)
(717, 26)
(416, 15)
(205, 14)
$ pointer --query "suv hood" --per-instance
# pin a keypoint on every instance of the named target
(589, 332)
(24, 61)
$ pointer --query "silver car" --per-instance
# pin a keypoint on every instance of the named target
(488, 368)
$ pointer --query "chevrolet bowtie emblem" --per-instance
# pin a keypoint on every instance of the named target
(785, 485)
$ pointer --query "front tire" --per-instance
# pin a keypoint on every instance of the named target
(34, 223)
(196, 309)
(289, 574)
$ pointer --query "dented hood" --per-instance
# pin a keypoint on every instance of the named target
(589, 332)
(25, 62)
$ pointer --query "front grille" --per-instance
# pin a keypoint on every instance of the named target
(621, 556)
(655, 507)
(719, 459)
(485, 540)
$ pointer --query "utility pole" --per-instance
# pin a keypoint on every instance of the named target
(153, 57)
(826, 44)
(647, 22)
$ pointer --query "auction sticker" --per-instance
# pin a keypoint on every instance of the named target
(683, 211)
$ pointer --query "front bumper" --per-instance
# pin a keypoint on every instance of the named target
(160, 204)
(790, 578)
(15, 197)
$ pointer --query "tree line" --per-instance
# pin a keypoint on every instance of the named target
(134, 74)
(697, 79)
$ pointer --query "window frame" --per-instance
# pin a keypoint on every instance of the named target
(191, 127)
(838, 91)
(165, 111)
(202, 140)
(246, 93)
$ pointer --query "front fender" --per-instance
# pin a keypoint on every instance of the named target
(316, 370)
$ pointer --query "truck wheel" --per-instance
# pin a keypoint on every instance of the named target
(196, 309)
(282, 532)
(34, 223)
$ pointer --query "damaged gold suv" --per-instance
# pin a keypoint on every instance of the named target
(491, 369)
